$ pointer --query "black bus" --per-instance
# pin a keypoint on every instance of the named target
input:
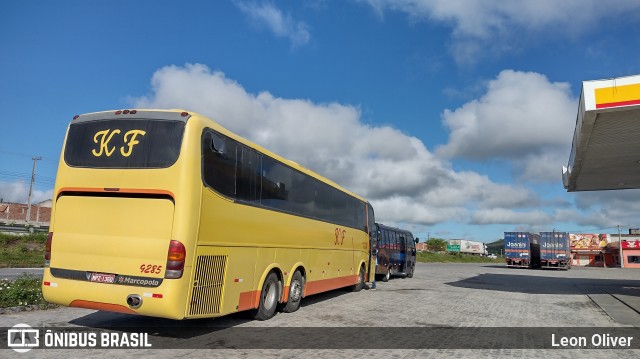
(396, 252)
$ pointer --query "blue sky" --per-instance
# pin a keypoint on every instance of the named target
(453, 117)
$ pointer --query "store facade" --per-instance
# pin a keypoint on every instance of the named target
(631, 252)
(603, 250)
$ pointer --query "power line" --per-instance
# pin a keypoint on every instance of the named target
(10, 176)
(19, 154)
(600, 230)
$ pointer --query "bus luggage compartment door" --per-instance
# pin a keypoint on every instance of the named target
(112, 235)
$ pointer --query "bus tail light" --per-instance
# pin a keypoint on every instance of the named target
(175, 260)
(47, 251)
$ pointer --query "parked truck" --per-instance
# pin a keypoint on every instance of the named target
(522, 249)
(555, 251)
(468, 247)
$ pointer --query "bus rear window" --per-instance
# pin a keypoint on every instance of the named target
(131, 143)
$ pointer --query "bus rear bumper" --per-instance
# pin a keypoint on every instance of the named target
(156, 302)
(86, 304)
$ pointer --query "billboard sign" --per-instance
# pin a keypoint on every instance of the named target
(593, 242)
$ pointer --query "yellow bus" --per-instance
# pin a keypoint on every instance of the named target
(168, 214)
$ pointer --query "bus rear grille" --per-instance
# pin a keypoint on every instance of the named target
(207, 285)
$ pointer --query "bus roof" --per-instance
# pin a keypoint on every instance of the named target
(394, 228)
(184, 115)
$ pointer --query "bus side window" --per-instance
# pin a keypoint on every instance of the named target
(389, 239)
(276, 184)
(219, 163)
(248, 180)
(244, 174)
(385, 238)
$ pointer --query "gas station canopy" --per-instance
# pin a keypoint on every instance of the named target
(606, 143)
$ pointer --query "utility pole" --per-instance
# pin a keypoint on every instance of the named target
(620, 248)
(33, 178)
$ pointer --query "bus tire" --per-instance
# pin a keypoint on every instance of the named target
(387, 275)
(410, 274)
(360, 284)
(296, 289)
(269, 297)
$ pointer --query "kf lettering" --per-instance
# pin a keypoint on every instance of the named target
(104, 137)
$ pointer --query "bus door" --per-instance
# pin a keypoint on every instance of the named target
(392, 251)
(374, 230)
(384, 260)
(402, 265)
(411, 253)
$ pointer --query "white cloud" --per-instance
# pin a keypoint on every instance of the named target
(18, 192)
(482, 27)
(505, 216)
(605, 209)
(403, 179)
(523, 118)
(269, 16)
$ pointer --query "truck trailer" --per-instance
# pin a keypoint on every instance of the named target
(468, 247)
(522, 249)
(555, 251)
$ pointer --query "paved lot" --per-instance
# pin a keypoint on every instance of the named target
(439, 295)
(13, 273)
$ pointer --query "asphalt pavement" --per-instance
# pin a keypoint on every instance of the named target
(441, 296)
(13, 273)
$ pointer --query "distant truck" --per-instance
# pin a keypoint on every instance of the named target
(468, 247)
(555, 251)
(522, 249)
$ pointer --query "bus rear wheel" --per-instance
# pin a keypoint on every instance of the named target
(296, 289)
(268, 298)
(360, 284)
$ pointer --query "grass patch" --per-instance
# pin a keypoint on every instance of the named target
(429, 257)
(22, 292)
(22, 251)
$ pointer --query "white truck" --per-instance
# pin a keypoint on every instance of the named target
(468, 247)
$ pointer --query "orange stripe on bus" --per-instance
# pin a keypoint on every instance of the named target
(285, 294)
(325, 285)
(119, 190)
(249, 300)
(86, 304)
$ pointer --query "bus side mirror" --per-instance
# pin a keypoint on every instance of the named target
(417, 240)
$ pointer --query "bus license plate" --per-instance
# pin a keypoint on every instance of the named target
(102, 278)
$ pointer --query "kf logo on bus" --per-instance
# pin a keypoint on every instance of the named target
(104, 137)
